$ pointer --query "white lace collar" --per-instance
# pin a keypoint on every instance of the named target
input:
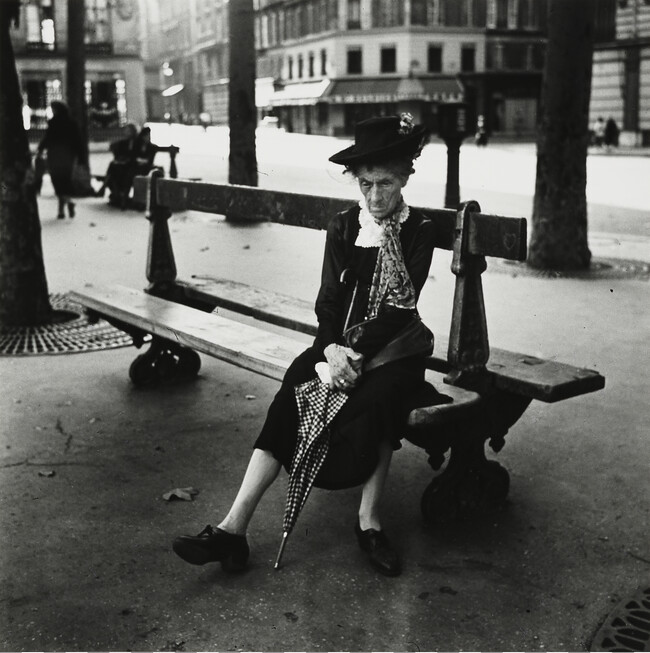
(371, 231)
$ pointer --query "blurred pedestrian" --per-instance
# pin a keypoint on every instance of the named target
(205, 119)
(599, 131)
(62, 141)
(481, 137)
(519, 123)
(611, 134)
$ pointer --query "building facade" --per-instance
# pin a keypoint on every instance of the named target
(322, 65)
(186, 59)
(334, 62)
(621, 72)
(114, 67)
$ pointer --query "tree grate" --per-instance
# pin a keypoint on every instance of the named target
(627, 628)
(69, 332)
(600, 268)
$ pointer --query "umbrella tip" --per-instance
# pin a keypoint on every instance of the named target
(276, 566)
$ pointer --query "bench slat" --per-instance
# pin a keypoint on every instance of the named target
(267, 306)
(242, 345)
(489, 235)
(540, 379)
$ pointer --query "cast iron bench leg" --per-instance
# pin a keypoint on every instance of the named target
(470, 483)
(164, 362)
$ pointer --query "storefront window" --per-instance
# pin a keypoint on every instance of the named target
(106, 101)
(38, 94)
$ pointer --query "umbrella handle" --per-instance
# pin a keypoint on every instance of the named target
(285, 535)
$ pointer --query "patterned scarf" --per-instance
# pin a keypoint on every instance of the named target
(391, 283)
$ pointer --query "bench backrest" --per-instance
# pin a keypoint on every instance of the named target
(470, 234)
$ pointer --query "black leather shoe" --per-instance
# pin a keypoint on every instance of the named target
(381, 554)
(213, 545)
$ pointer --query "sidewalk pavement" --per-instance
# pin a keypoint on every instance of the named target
(86, 562)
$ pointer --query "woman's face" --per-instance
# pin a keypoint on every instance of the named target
(381, 188)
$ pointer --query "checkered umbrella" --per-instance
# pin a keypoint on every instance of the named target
(317, 406)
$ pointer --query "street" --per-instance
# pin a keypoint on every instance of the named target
(500, 176)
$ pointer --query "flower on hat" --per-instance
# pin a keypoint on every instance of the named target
(405, 124)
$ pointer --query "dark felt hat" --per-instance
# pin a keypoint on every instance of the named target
(379, 139)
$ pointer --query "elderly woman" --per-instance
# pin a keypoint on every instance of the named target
(377, 258)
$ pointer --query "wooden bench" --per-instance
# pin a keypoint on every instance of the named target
(487, 390)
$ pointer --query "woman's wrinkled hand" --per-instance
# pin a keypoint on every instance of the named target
(345, 366)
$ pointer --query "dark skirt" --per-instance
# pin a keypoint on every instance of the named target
(60, 162)
(377, 409)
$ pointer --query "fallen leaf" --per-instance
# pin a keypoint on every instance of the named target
(246, 247)
(48, 474)
(180, 493)
(447, 590)
(92, 420)
(92, 224)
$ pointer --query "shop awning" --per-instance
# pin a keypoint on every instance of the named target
(375, 91)
(300, 93)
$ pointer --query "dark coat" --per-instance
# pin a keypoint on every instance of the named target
(123, 149)
(62, 141)
(380, 404)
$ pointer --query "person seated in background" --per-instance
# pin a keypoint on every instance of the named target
(133, 155)
(144, 152)
(122, 151)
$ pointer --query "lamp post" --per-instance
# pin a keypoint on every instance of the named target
(166, 73)
(453, 127)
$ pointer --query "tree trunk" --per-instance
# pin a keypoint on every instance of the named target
(559, 224)
(242, 112)
(24, 298)
(76, 87)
